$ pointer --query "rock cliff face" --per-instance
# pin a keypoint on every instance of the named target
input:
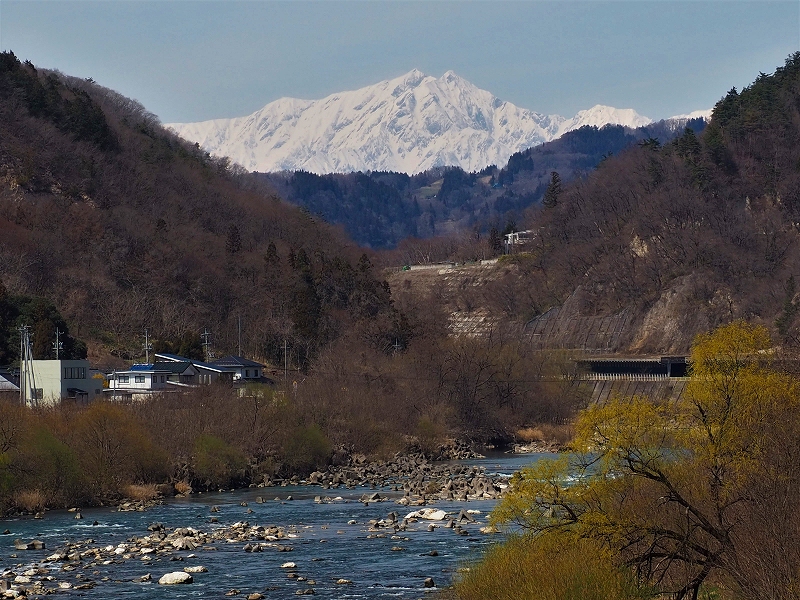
(666, 326)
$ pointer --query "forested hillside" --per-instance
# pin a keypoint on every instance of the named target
(687, 234)
(381, 209)
(123, 227)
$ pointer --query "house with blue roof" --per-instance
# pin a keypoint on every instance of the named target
(141, 381)
(171, 373)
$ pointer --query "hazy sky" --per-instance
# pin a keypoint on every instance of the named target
(194, 60)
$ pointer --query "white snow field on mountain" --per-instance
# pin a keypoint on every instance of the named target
(408, 124)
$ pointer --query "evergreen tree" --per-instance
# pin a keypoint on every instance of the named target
(553, 190)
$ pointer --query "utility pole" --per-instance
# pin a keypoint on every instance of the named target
(58, 345)
(206, 344)
(27, 382)
(147, 347)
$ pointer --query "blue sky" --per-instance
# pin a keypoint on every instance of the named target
(194, 60)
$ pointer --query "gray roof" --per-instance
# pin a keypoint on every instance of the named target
(168, 358)
(236, 361)
(7, 386)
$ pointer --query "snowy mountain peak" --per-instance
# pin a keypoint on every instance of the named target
(600, 115)
(409, 124)
(411, 79)
(697, 114)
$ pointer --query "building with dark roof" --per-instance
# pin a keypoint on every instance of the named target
(243, 368)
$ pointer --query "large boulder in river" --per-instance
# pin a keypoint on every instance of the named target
(175, 578)
(32, 545)
(430, 514)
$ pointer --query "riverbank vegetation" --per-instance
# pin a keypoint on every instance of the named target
(354, 402)
(685, 496)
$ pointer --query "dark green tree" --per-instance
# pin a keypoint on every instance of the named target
(553, 190)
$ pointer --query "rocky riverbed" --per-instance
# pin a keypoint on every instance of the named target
(371, 529)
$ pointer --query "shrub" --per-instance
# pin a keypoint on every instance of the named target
(217, 464)
(430, 435)
(546, 432)
(547, 567)
(183, 487)
(142, 493)
(115, 450)
(48, 464)
(307, 449)
(30, 501)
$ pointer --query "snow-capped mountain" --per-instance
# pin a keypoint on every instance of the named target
(408, 124)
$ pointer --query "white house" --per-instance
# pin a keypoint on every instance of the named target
(168, 374)
(139, 380)
(243, 369)
(48, 382)
(205, 372)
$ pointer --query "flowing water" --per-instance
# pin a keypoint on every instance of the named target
(325, 550)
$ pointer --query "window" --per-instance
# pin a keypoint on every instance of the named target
(255, 373)
(138, 378)
(38, 394)
(74, 372)
(124, 378)
(162, 379)
(247, 373)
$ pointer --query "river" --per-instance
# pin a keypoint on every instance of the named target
(328, 547)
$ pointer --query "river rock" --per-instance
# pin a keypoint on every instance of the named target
(429, 583)
(465, 516)
(288, 565)
(32, 545)
(197, 569)
(184, 543)
(429, 514)
(175, 578)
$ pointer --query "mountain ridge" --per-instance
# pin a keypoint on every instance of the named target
(408, 124)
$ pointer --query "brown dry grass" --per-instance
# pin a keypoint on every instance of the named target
(30, 501)
(183, 487)
(546, 432)
(143, 493)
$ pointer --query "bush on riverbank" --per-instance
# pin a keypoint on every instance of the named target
(690, 493)
(548, 567)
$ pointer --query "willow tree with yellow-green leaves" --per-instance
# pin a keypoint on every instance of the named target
(689, 491)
